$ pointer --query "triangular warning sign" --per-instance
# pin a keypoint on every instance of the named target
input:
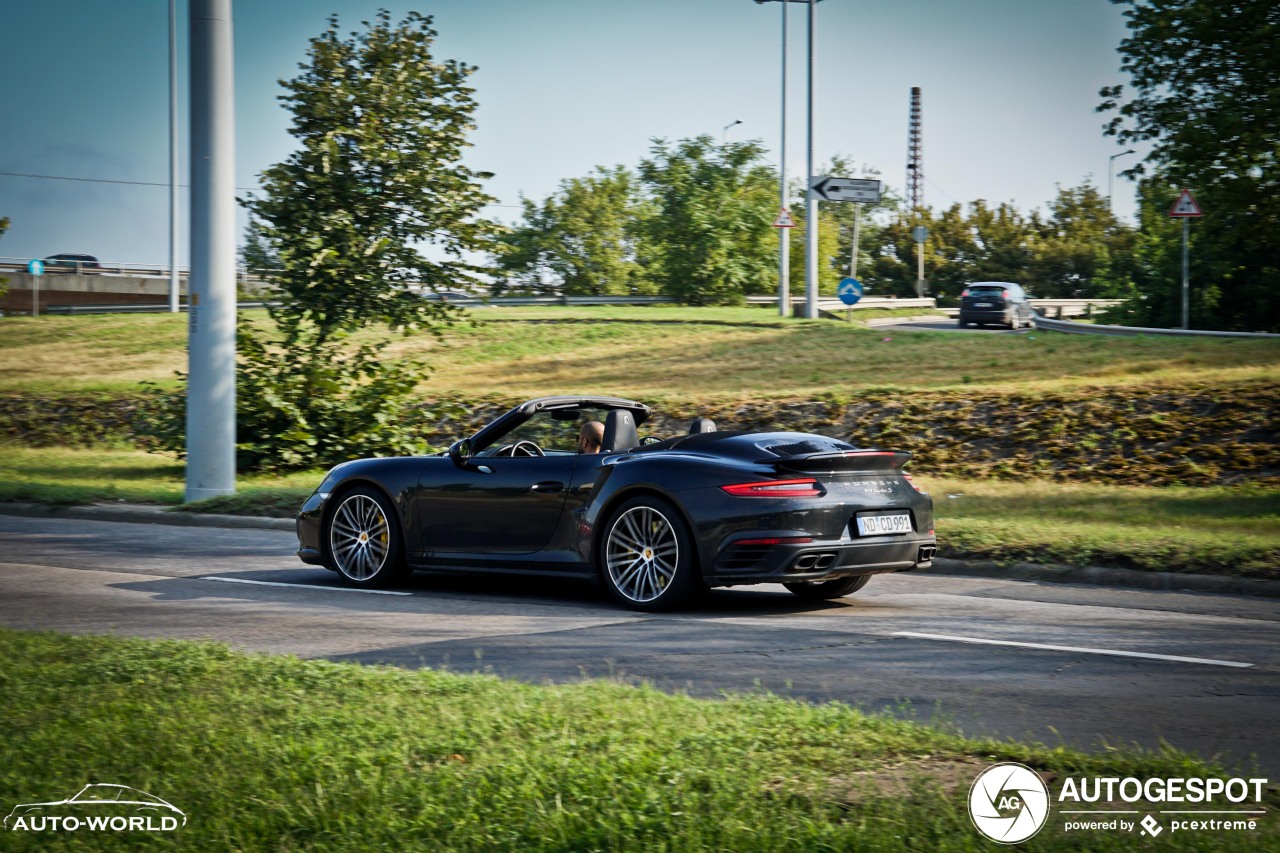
(784, 219)
(1186, 205)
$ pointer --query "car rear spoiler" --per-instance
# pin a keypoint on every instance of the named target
(843, 461)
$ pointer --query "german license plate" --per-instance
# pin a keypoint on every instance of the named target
(982, 305)
(878, 525)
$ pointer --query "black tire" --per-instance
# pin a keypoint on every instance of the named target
(647, 557)
(362, 541)
(962, 322)
(822, 590)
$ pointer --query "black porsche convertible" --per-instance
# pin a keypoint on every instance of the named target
(657, 520)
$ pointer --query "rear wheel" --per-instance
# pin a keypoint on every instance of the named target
(821, 590)
(647, 559)
(362, 540)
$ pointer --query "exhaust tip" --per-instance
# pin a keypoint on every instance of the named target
(927, 553)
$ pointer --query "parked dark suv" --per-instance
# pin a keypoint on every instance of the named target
(72, 263)
(998, 302)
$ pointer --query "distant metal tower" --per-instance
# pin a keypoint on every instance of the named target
(915, 155)
(915, 185)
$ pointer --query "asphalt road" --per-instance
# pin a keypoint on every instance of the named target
(965, 652)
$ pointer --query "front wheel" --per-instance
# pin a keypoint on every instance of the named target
(362, 540)
(822, 590)
(647, 559)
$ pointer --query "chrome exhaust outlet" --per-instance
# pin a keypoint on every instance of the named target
(927, 553)
(824, 561)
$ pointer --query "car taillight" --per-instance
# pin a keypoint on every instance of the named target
(776, 540)
(964, 292)
(912, 483)
(1004, 294)
(776, 489)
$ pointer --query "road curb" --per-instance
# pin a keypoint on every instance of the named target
(146, 515)
(1086, 575)
(1101, 576)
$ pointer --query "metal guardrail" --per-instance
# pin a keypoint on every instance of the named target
(1070, 328)
(827, 303)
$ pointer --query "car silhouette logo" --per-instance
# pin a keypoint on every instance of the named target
(100, 801)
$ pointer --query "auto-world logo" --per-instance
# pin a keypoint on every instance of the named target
(98, 808)
(1009, 803)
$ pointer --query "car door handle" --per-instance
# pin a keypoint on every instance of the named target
(547, 487)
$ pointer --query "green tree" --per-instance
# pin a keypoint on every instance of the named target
(710, 240)
(1081, 250)
(1205, 77)
(382, 126)
(256, 253)
(582, 241)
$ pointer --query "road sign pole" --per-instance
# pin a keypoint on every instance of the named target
(1186, 275)
(853, 255)
(784, 234)
(811, 200)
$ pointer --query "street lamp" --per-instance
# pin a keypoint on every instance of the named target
(1111, 176)
(724, 134)
(784, 235)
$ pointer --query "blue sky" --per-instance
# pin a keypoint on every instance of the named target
(1009, 90)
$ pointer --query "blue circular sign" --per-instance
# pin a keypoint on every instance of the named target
(35, 267)
(849, 291)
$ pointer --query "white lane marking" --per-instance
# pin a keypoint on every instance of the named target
(306, 586)
(1147, 655)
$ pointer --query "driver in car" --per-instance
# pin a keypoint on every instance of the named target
(590, 437)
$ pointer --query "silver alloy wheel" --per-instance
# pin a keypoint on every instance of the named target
(359, 537)
(641, 554)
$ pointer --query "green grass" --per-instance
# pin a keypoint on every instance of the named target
(67, 476)
(1232, 530)
(1226, 530)
(658, 353)
(275, 753)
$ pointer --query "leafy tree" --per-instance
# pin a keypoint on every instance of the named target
(583, 241)
(1081, 250)
(256, 253)
(710, 239)
(382, 125)
(1205, 79)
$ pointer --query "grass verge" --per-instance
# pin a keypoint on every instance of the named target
(646, 352)
(1227, 530)
(276, 753)
(1230, 530)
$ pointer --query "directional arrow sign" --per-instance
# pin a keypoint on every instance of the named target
(864, 190)
(849, 291)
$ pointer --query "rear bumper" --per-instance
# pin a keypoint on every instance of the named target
(984, 315)
(819, 560)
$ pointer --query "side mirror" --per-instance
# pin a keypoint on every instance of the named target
(460, 454)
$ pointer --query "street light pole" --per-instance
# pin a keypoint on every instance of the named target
(1111, 176)
(173, 156)
(811, 198)
(724, 134)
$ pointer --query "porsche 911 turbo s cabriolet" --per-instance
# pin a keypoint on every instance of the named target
(656, 521)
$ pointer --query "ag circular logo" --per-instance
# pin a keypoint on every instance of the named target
(1008, 803)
